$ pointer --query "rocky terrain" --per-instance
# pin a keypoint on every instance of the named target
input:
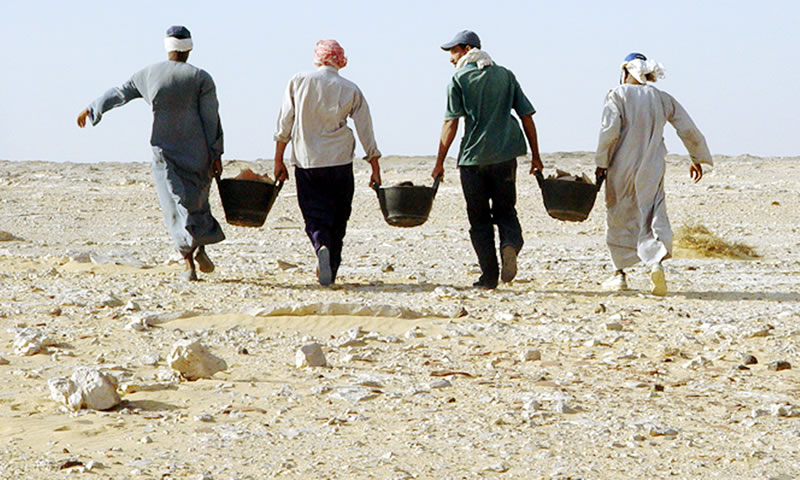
(417, 374)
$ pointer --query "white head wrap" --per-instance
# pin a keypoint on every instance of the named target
(475, 55)
(172, 44)
(641, 68)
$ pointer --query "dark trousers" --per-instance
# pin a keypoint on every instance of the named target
(325, 196)
(491, 195)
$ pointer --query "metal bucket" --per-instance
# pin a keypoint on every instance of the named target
(247, 202)
(406, 205)
(568, 200)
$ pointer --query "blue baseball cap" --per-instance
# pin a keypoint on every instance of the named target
(635, 56)
(464, 37)
(179, 31)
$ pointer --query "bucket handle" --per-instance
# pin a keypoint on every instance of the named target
(539, 177)
(599, 178)
(375, 186)
(436, 182)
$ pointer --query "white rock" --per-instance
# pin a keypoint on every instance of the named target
(86, 388)
(531, 355)
(563, 407)
(443, 383)
(132, 306)
(110, 301)
(310, 355)
(30, 341)
(193, 360)
(785, 410)
(697, 362)
(415, 332)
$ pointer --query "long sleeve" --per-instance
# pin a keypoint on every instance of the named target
(283, 130)
(690, 135)
(209, 115)
(113, 98)
(363, 121)
(610, 127)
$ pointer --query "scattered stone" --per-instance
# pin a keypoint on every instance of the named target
(242, 351)
(443, 383)
(283, 265)
(614, 327)
(779, 365)
(658, 387)
(4, 361)
(662, 431)
(193, 360)
(785, 410)
(30, 341)
(748, 359)
(415, 332)
(562, 406)
(698, 362)
(86, 388)
(8, 237)
(354, 394)
(132, 306)
(310, 355)
(110, 301)
(531, 355)
(204, 417)
(760, 332)
(151, 359)
(146, 439)
(497, 468)
(387, 267)
(55, 311)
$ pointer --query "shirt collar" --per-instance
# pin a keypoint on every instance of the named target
(329, 68)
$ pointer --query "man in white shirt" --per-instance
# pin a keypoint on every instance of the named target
(313, 118)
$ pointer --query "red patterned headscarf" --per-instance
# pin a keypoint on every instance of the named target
(329, 52)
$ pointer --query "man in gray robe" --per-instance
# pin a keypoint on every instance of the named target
(631, 153)
(186, 140)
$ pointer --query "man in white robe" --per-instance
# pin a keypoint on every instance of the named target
(631, 153)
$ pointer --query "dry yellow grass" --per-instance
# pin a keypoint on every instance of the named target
(698, 241)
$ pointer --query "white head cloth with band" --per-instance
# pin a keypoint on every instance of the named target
(640, 68)
(178, 39)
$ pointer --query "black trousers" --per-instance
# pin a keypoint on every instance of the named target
(491, 195)
(325, 196)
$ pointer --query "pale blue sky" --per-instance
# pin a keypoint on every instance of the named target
(732, 64)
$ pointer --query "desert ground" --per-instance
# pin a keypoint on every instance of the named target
(547, 377)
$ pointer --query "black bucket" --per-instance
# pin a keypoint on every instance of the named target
(247, 202)
(406, 205)
(568, 200)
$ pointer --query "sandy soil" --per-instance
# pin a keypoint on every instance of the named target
(628, 385)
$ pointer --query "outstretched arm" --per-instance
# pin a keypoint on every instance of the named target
(449, 130)
(530, 132)
(113, 98)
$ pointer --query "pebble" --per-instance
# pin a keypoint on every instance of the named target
(748, 359)
(193, 360)
(415, 332)
(662, 431)
(614, 326)
(779, 365)
(310, 355)
(443, 383)
(4, 361)
(530, 355)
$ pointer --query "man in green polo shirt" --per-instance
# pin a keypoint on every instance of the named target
(484, 93)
